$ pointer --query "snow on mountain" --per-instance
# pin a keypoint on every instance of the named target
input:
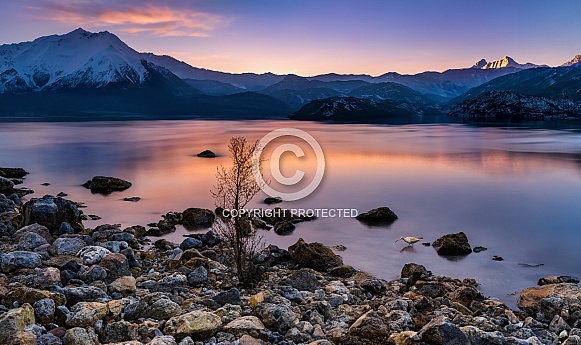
(505, 62)
(79, 58)
(576, 61)
(480, 64)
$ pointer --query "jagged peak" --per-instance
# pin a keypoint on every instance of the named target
(480, 63)
(575, 61)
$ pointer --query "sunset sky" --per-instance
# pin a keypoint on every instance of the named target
(309, 37)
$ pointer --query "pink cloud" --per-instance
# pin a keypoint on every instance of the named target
(150, 18)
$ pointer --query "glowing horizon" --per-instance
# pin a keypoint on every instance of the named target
(374, 37)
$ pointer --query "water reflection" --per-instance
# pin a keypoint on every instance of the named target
(515, 191)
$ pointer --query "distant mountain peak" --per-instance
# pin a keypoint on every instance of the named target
(480, 64)
(576, 61)
(505, 62)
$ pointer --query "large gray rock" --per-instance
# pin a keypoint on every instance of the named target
(279, 317)
(106, 185)
(303, 280)
(198, 276)
(19, 259)
(75, 295)
(30, 241)
(92, 254)
(52, 212)
(67, 245)
(452, 245)
(157, 306)
(440, 331)
(44, 310)
(314, 255)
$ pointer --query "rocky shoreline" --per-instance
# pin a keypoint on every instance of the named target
(62, 283)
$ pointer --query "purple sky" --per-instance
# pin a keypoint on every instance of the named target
(309, 37)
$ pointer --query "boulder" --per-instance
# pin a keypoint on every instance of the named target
(198, 276)
(44, 310)
(85, 314)
(190, 243)
(13, 172)
(92, 254)
(30, 240)
(19, 259)
(549, 300)
(81, 336)
(6, 186)
(314, 255)
(557, 280)
(279, 317)
(52, 212)
(452, 245)
(106, 185)
(196, 218)
(197, 324)
(377, 216)
(119, 332)
(231, 296)
(162, 340)
(116, 266)
(207, 154)
(14, 322)
(414, 272)
(303, 280)
(123, 285)
(440, 331)
(75, 295)
(273, 200)
(67, 245)
(157, 306)
(371, 325)
(284, 227)
(245, 325)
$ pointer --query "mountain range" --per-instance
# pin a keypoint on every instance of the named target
(84, 75)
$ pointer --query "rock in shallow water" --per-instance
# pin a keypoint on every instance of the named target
(378, 216)
(452, 245)
(314, 255)
(106, 185)
(52, 212)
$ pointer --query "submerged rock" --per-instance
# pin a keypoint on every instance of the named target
(452, 245)
(106, 185)
(13, 172)
(207, 154)
(378, 216)
(557, 280)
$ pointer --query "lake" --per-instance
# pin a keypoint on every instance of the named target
(516, 191)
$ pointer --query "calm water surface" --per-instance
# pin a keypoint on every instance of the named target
(515, 191)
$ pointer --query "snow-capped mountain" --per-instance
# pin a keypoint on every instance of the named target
(575, 61)
(505, 62)
(79, 58)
